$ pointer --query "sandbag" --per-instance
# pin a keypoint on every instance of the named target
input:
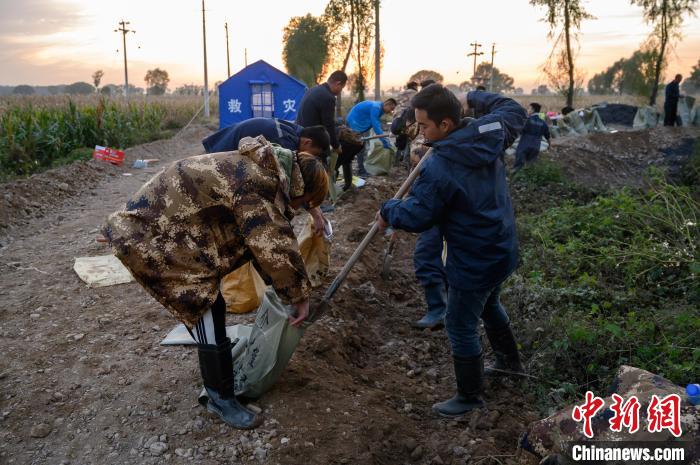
(552, 435)
(271, 344)
(646, 117)
(695, 118)
(575, 122)
(316, 252)
(380, 159)
(242, 289)
(593, 121)
(685, 107)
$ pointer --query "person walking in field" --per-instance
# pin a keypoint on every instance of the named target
(205, 216)
(531, 138)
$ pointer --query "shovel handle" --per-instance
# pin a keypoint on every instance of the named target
(370, 235)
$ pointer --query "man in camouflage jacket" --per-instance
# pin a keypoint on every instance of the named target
(198, 220)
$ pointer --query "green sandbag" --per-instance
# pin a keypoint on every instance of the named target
(270, 347)
(380, 159)
(646, 117)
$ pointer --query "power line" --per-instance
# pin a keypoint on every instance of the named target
(228, 55)
(475, 54)
(493, 52)
(122, 28)
(206, 77)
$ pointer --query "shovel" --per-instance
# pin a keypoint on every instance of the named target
(324, 305)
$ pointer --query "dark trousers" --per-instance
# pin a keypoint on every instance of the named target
(671, 114)
(464, 310)
(525, 155)
(427, 258)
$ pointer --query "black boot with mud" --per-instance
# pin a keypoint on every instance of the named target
(469, 374)
(505, 349)
(216, 364)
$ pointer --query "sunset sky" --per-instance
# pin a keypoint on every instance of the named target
(62, 41)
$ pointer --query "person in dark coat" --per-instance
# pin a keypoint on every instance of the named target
(313, 140)
(533, 132)
(673, 93)
(317, 107)
(462, 189)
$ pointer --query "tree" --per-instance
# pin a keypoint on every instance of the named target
(156, 81)
(55, 90)
(632, 76)
(305, 50)
(519, 91)
(691, 84)
(111, 90)
(80, 88)
(501, 81)
(189, 89)
(559, 75)
(667, 18)
(425, 74)
(23, 89)
(569, 14)
(350, 26)
(97, 78)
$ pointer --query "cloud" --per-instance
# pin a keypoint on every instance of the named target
(38, 17)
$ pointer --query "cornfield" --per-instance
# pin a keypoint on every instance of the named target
(39, 132)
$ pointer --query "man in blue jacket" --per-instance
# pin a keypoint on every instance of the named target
(531, 138)
(365, 116)
(314, 140)
(462, 188)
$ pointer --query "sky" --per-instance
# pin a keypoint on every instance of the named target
(46, 42)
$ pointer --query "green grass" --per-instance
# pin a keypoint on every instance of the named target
(608, 281)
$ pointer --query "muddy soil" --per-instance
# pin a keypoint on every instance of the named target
(84, 380)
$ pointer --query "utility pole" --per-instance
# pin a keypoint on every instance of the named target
(122, 28)
(228, 55)
(206, 77)
(493, 52)
(475, 54)
(246, 57)
(377, 53)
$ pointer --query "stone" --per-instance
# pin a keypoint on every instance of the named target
(417, 453)
(77, 337)
(254, 408)
(284, 441)
(157, 448)
(40, 431)
(410, 444)
(459, 451)
(436, 461)
(260, 453)
(163, 438)
(151, 440)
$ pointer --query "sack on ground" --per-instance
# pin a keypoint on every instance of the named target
(380, 159)
(646, 117)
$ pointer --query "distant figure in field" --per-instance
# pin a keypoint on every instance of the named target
(531, 138)
(673, 93)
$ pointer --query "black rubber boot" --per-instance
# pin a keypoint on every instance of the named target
(436, 299)
(347, 176)
(505, 349)
(216, 365)
(469, 374)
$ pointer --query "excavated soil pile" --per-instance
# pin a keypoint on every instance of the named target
(602, 160)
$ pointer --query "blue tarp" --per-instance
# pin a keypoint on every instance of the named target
(271, 91)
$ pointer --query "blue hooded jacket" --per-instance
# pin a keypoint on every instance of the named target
(277, 131)
(366, 115)
(531, 138)
(462, 188)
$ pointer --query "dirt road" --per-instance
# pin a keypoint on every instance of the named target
(84, 379)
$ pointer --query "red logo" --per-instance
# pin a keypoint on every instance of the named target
(587, 411)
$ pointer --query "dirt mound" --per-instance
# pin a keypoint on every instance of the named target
(603, 160)
(32, 197)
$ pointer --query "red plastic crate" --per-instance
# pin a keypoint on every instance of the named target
(113, 156)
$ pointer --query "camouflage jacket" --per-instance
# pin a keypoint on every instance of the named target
(203, 217)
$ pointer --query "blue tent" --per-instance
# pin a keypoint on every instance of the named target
(259, 90)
